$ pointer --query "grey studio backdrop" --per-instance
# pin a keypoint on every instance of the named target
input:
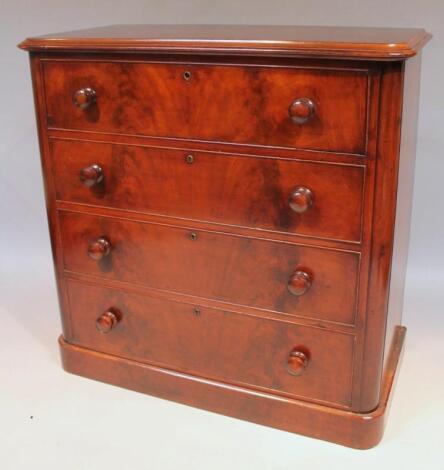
(50, 419)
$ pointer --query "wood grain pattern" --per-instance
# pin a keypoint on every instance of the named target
(404, 196)
(396, 158)
(253, 192)
(243, 104)
(222, 188)
(318, 41)
(358, 430)
(215, 344)
(239, 270)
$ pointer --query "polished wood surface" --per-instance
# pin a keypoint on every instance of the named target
(358, 430)
(297, 361)
(154, 99)
(84, 98)
(205, 186)
(301, 199)
(319, 41)
(99, 248)
(214, 265)
(229, 216)
(91, 175)
(215, 344)
(108, 320)
(302, 110)
(404, 196)
(300, 282)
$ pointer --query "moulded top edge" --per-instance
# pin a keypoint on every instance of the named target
(312, 41)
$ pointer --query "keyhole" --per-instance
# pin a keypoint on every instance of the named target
(196, 311)
(187, 75)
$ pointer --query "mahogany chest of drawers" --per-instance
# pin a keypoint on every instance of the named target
(229, 212)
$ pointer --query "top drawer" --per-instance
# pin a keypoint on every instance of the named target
(306, 108)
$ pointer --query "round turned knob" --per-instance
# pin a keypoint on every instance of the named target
(300, 199)
(99, 248)
(91, 175)
(301, 110)
(299, 283)
(107, 321)
(84, 98)
(297, 362)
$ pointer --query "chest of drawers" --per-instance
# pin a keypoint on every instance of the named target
(229, 211)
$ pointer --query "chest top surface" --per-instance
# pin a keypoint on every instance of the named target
(297, 41)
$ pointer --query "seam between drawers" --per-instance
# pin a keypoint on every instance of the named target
(365, 70)
(204, 150)
(190, 299)
(68, 206)
(218, 142)
(317, 247)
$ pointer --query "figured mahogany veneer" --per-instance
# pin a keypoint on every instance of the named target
(234, 269)
(216, 344)
(249, 105)
(206, 186)
(229, 211)
(358, 430)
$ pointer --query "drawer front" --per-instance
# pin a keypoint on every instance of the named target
(215, 344)
(263, 193)
(235, 269)
(321, 109)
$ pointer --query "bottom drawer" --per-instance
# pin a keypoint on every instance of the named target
(273, 355)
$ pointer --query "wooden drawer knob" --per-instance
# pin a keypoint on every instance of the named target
(107, 321)
(91, 175)
(299, 283)
(302, 110)
(297, 362)
(99, 248)
(84, 98)
(301, 199)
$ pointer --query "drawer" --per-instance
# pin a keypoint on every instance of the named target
(309, 198)
(277, 276)
(297, 107)
(216, 344)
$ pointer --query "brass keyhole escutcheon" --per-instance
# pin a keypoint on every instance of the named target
(189, 159)
(193, 236)
(187, 75)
